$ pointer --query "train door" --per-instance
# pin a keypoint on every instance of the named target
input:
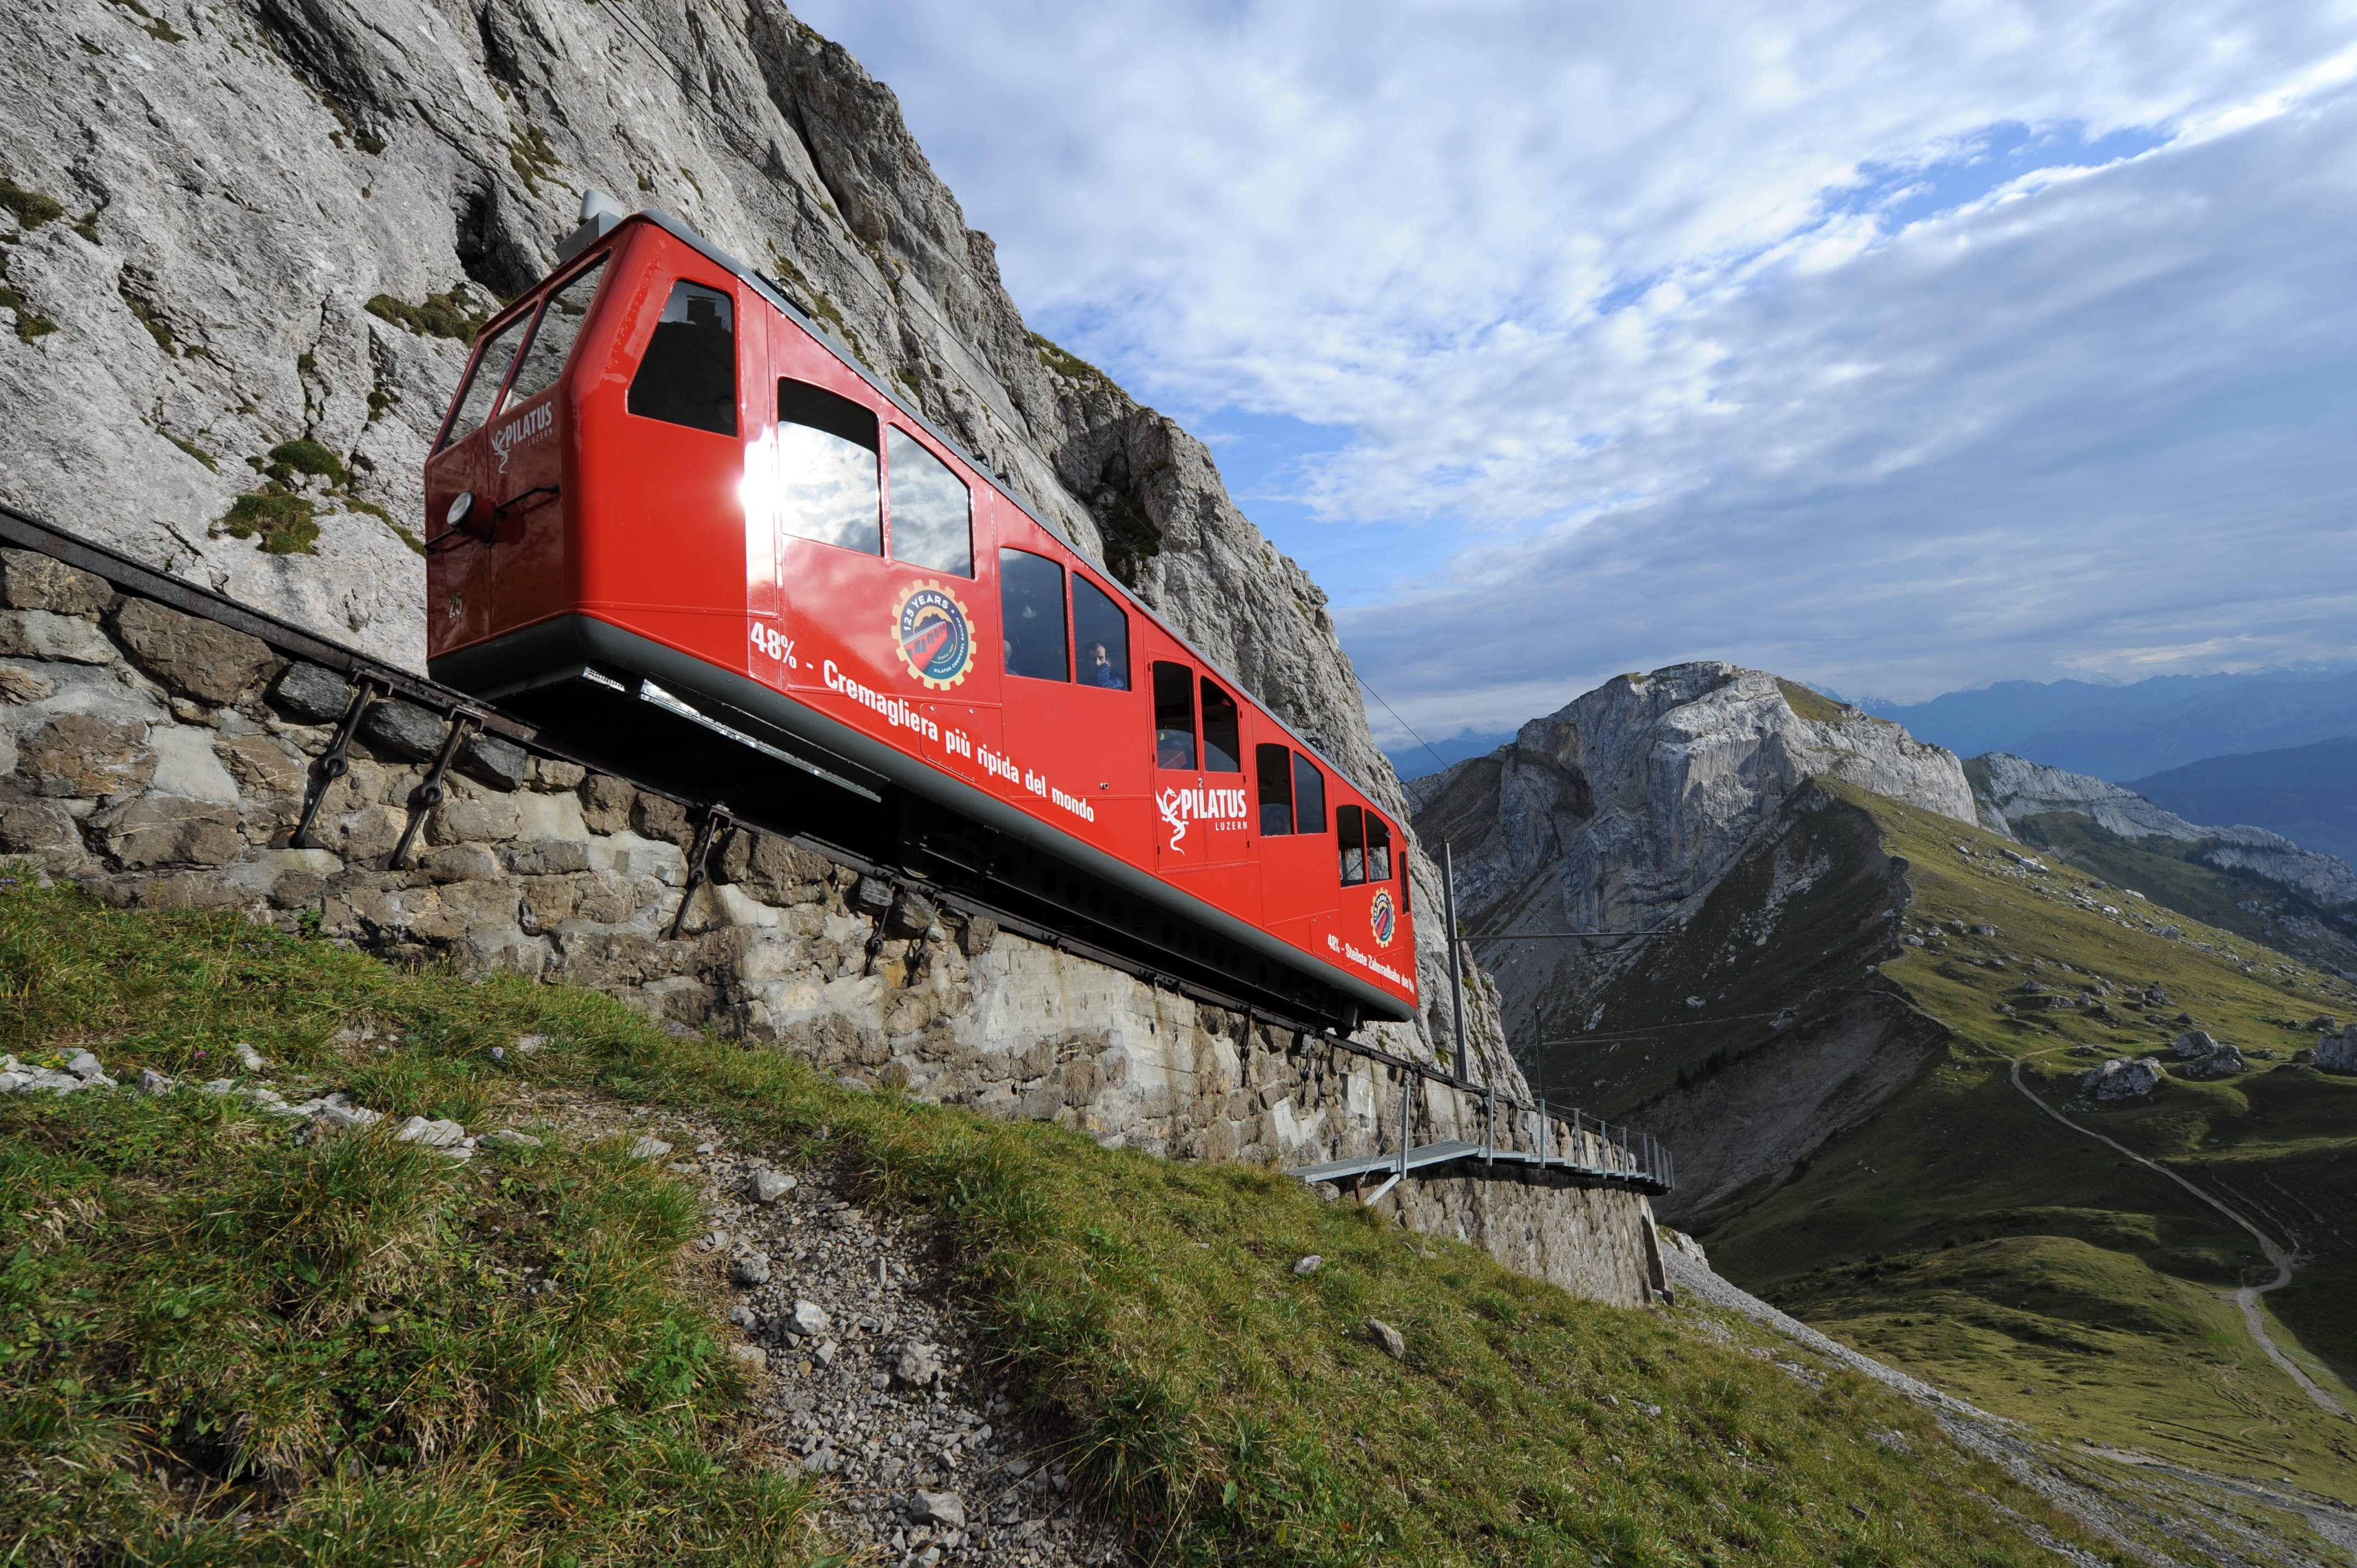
(883, 625)
(1367, 866)
(937, 538)
(1203, 829)
(1071, 696)
(1296, 844)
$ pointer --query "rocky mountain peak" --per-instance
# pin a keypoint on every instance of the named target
(1623, 810)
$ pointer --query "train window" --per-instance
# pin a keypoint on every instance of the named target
(1031, 595)
(1275, 766)
(689, 374)
(1354, 853)
(1100, 632)
(1223, 751)
(551, 340)
(826, 469)
(483, 388)
(1309, 796)
(931, 510)
(1378, 849)
(1174, 716)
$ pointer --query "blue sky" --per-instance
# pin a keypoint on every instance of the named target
(1897, 349)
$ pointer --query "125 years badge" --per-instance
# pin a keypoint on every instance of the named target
(933, 635)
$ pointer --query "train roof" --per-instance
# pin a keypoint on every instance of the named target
(775, 293)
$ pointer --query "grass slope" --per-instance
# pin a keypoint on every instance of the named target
(221, 1343)
(1960, 1232)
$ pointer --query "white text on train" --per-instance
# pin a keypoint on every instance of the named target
(1224, 808)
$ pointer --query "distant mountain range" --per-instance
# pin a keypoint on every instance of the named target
(1414, 761)
(2308, 793)
(2148, 727)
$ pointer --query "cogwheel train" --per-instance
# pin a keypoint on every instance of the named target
(673, 523)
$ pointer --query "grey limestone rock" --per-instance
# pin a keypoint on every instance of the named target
(916, 1363)
(870, 896)
(404, 730)
(808, 1319)
(312, 694)
(433, 1134)
(502, 764)
(2337, 1053)
(2204, 1057)
(1393, 1342)
(1308, 1265)
(945, 1510)
(767, 1186)
(2120, 1079)
(752, 1269)
(44, 633)
(648, 1147)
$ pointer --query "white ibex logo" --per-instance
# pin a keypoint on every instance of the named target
(1169, 803)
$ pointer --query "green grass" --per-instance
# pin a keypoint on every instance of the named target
(288, 523)
(441, 315)
(1960, 1233)
(319, 1340)
(1814, 706)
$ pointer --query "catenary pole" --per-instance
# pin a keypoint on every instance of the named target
(1455, 964)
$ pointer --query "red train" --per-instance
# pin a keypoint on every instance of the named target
(676, 525)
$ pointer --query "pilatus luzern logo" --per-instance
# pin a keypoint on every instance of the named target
(933, 635)
(1382, 918)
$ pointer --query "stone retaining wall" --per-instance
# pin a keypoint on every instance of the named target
(161, 760)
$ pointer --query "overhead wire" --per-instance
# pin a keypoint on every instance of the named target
(1396, 715)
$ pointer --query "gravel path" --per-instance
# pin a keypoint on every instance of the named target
(868, 1376)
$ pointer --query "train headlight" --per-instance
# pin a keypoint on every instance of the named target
(460, 510)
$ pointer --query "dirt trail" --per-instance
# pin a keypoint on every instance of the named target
(2246, 1298)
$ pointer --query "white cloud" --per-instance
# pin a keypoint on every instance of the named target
(1837, 338)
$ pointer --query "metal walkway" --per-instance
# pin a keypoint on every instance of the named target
(1634, 1160)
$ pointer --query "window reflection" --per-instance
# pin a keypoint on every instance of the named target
(931, 510)
(826, 469)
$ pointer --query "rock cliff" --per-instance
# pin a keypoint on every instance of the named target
(2011, 790)
(244, 246)
(1622, 810)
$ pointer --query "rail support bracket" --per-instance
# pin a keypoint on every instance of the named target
(716, 820)
(430, 791)
(336, 762)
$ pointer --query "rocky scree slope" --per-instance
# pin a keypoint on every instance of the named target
(245, 246)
